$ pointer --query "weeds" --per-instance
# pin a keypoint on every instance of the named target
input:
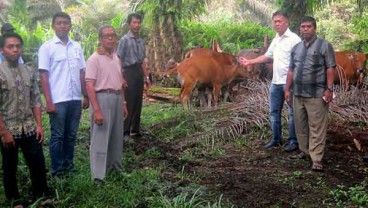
(356, 195)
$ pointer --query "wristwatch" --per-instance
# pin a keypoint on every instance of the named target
(330, 88)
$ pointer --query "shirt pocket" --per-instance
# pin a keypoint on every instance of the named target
(59, 58)
(7, 85)
(317, 60)
(285, 53)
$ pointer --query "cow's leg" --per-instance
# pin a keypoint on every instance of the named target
(186, 90)
(202, 96)
(216, 93)
(209, 97)
(225, 91)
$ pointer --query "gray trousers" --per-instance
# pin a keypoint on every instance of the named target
(107, 140)
(311, 120)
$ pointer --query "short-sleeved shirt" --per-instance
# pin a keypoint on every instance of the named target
(106, 71)
(63, 63)
(131, 50)
(19, 93)
(279, 51)
(310, 65)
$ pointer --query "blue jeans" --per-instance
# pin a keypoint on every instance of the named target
(64, 127)
(277, 99)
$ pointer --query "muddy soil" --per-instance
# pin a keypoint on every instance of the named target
(249, 176)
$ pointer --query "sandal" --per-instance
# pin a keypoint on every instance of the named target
(47, 202)
(317, 166)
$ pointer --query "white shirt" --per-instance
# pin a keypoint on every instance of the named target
(64, 63)
(279, 51)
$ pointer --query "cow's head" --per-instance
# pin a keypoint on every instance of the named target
(170, 67)
(359, 61)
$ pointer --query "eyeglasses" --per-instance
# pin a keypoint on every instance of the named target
(109, 36)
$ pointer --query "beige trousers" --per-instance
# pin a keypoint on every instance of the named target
(311, 120)
(107, 140)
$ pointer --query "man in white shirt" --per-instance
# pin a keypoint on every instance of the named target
(62, 68)
(279, 52)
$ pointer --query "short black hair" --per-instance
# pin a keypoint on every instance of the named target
(309, 19)
(280, 13)
(135, 15)
(6, 28)
(9, 35)
(63, 15)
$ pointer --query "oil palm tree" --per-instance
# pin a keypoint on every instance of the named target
(162, 17)
(298, 8)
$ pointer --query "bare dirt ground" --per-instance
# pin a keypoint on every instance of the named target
(249, 176)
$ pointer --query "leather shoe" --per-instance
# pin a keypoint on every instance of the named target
(291, 147)
(365, 159)
(272, 144)
(136, 135)
(300, 155)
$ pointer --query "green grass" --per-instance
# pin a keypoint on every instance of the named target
(137, 187)
(146, 186)
(168, 91)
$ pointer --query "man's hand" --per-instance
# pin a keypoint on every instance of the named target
(287, 96)
(245, 62)
(40, 136)
(148, 83)
(124, 84)
(50, 108)
(8, 140)
(327, 96)
(85, 102)
(125, 110)
(98, 117)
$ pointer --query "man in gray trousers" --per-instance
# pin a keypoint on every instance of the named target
(104, 82)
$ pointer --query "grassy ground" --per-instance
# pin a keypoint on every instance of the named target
(138, 186)
(174, 167)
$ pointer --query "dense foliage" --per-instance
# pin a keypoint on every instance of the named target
(232, 36)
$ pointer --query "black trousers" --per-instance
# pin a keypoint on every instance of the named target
(33, 155)
(134, 97)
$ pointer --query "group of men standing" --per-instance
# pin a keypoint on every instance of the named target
(303, 72)
(111, 81)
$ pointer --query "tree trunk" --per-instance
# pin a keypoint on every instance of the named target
(296, 9)
(164, 44)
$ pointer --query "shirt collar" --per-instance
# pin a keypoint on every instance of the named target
(131, 35)
(6, 64)
(314, 38)
(287, 33)
(56, 40)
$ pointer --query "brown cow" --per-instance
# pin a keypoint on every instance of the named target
(350, 68)
(206, 71)
(224, 58)
(203, 90)
(254, 69)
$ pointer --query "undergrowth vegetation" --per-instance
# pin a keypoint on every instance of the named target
(145, 182)
(138, 186)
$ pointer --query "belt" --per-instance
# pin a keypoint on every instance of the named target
(111, 91)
